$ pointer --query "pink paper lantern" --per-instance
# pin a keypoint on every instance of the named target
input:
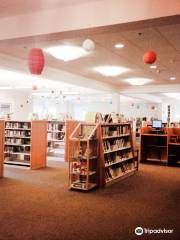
(36, 61)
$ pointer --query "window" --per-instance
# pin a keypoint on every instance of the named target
(4, 109)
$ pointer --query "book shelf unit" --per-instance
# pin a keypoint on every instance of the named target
(55, 136)
(1, 147)
(117, 159)
(160, 147)
(153, 147)
(25, 143)
(83, 157)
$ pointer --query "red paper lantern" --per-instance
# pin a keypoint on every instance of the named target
(36, 61)
(149, 57)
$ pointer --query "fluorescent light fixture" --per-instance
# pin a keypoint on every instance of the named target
(153, 66)
(172, 78)
(110, 71)
(138, 81)
(66, 52)
(119, 45)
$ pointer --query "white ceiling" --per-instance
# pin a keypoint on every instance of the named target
(162, 37)
(18, 7)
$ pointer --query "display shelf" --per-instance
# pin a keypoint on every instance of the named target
(83, 161)
(55, 137)
(117, 162)
(116, 152)
(25, 143)
(117, 136)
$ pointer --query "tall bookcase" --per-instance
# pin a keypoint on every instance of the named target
(56, 137)
(83, 159)
(117, 159)
(25, 143)
(1, 147)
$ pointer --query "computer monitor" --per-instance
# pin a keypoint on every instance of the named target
(157, 124)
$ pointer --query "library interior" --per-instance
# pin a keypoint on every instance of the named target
(89, 119)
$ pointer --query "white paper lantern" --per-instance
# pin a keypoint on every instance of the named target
(88, 45)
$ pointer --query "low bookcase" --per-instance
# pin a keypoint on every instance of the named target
(117, 159)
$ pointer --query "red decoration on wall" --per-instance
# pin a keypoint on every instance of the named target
(36, 61)
(149, 57)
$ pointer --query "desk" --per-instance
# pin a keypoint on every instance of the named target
(157, 147)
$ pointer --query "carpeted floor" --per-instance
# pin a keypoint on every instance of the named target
(38, 205)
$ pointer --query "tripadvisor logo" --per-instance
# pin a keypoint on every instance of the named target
(139, 231)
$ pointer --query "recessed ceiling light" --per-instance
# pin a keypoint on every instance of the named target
(138, 81)
(66, 52)
(172, 78)
(153, 66)
(111, 71)
(119, 45)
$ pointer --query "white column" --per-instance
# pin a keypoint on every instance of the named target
(116, 103)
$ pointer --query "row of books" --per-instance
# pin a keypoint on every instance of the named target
(17, 149)
(56, 127)
(79, 184)
(16, 158)
(115, 130)
(115, 144)
(16, 133)
(117, 157)
(24, 125)
(115, 172)
(58, 136)
(19, 141)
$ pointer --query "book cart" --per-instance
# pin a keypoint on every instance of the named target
(25, 143)
(117, 159)
(83, 157)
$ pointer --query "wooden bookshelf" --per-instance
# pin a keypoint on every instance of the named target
(117, 159)
(25, 143)
(2, 126)
(56, 138)
(83, 157)
(153, 147)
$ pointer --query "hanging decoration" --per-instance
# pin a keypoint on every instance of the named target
(149, 57)
(34, 87)
(153, 107)
(88, 45)
(36, 61)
